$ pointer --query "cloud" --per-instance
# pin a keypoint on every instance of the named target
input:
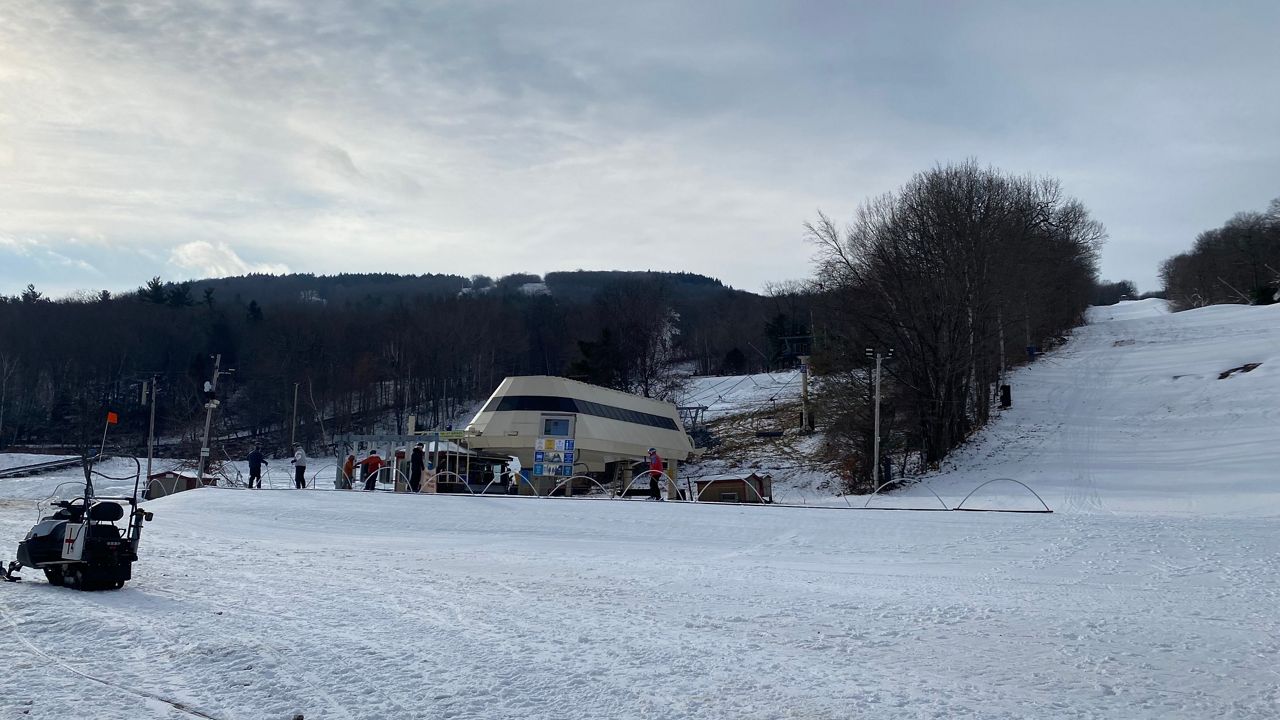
(39, 253)
(206, 259)
(333, 135)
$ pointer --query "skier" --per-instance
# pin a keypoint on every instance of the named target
(371, 465)
(655, 471)
(256, 461)
(299, 467)
(348, 471)
(417, 463)
(513, 467)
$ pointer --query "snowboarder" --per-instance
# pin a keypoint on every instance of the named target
(655, 471)
(299, 467)
(348, 471)
(417, 463)
(256, 461)
(370, 466)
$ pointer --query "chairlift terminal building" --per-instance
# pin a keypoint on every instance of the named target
(609, 428)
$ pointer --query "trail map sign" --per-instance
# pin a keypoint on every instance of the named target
(553, 457)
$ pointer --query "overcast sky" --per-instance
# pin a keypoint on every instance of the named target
(192, 139)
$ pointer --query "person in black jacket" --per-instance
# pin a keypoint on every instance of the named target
(256, 461)
(417, 462)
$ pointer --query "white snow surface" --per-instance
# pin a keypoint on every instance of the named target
(13, 460)
(1149, 593)
(1130, 417)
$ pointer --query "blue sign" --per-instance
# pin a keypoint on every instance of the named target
(537, 469)
(566, 469)
(568, 457)
(538, 457)
(568, 445)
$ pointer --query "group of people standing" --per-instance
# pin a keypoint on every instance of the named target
(419, 468)
(299, 462)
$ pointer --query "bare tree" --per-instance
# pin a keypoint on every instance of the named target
(939, 271)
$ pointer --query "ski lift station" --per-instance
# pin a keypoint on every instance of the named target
(559, 428)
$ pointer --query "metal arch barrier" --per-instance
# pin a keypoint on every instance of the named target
(574, 477)
(315, 477)
(698, 497)
(408, 483)
(462, 481)
(238, 481)
(867, 504)
(518, 477)
(1046, 509)
(154, 482)
(489, 484)
(393, 470)
(659, 473)
(527, 481)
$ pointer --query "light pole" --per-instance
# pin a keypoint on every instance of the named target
(210, 404)
(149, 398)
(879, 357)
(806, 418)
(293, 428)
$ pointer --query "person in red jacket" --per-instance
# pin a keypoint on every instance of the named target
(371, 465)
(656, 467)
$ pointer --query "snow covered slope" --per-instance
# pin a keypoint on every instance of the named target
(1131, 416)
(1149, 594)
(729, 394)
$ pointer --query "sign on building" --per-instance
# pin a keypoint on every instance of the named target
(553, 457)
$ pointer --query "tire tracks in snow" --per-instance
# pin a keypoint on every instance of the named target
(176, 705)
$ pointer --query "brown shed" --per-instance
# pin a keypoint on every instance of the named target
(735, 487)
(170, 482)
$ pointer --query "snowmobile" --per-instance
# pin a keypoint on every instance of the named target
(80, 545)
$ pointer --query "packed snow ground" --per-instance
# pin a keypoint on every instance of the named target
(1150, 593)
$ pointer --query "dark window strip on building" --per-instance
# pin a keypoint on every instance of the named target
(553, 404)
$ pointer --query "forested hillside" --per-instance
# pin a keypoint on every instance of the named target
(1236, 263)
(359, 347)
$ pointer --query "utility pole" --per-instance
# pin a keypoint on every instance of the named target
(149, 398)
(806, 419)
(210, 403)
(293, 429)
(879, 358)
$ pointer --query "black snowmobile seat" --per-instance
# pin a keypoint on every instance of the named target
(106, 512)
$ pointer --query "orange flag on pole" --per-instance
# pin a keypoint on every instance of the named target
(112, 418)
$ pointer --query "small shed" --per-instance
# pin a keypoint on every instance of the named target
(170, 482)
(735, 488)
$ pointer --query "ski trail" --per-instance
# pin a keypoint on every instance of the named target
(1080, 428)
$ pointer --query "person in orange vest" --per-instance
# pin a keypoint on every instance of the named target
(348, 471)
(656, 466)
(371, 465)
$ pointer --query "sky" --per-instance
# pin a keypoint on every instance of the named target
(188, 139)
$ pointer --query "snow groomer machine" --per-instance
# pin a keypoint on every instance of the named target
(81, 545)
